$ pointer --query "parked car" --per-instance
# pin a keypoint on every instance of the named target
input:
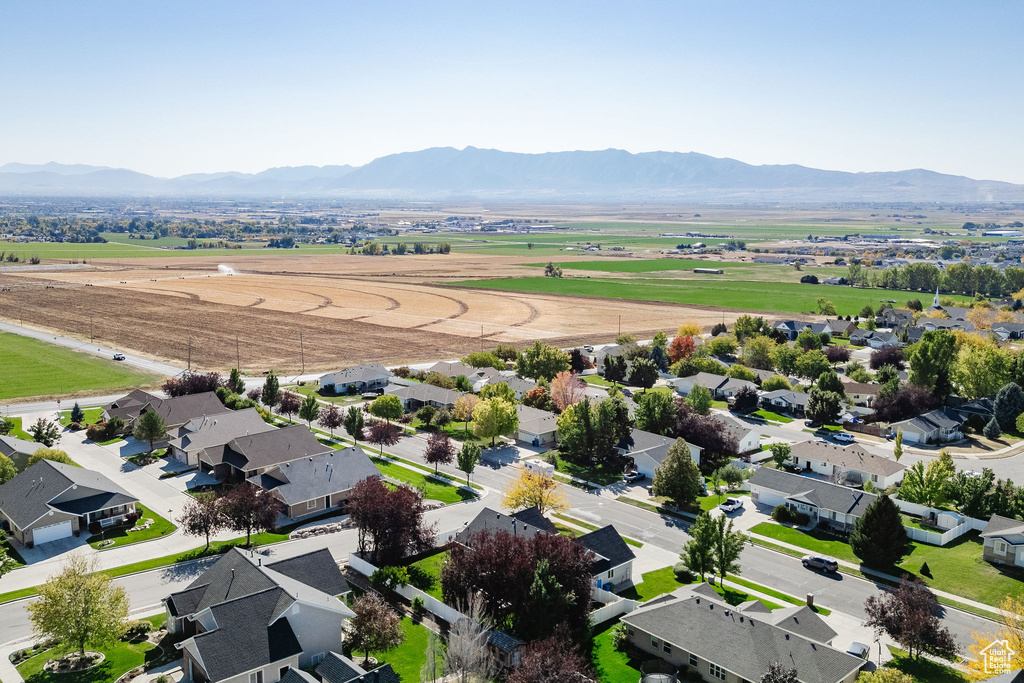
(822, 562)
(630, 477)
(794, 469)
(859, 650)
(731, 505)
(118, 356)
(843, 437)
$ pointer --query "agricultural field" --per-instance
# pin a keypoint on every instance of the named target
(782, 297)
(35, 368)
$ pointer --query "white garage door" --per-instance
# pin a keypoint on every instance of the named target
(45, 534)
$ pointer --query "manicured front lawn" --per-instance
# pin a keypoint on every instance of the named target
(18, 432)
(35, 368)
(597, 381)
(119, 658)
(425, 573)
(709, 503)
(661, 581)
(597, 474)
(611, 665)
(769, 415)
(90, 416)
(949, 566)
(432, 488)
(924, 670)
(120, 535)
(408, 658)
(309, 389)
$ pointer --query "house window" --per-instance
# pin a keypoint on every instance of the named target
(667, 648)
(310, 504)
(874, 477)
(318, 657)
(693, 661)
(611, 573)
(256, 677)
(1001, 547)
(654, 642)
(716, 671)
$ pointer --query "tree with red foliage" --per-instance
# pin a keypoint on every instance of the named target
(389, 521)
(202, 517)
(528, 585)
(680, 348)
(192, 383)
(887, 355)
(539, 398)
(909, 615)
(837, 354)
(707, 432)
(909, 400)
(567, 389)
(289, 403)
(555, 659)
(331, 417)
(383, 434)
(250, 508)
(440, 450)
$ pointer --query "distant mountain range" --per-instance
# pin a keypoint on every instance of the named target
(448, 173)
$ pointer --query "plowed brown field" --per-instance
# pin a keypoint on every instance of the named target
(347, 309)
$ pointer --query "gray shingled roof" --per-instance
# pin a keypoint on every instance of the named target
(741, 642)
(367, 372)
(175, 411)
(609, 547)
(27, 497)
(318, 476)
(536, 421)
(787, 395)
(338, 669)
(1002, 526)
(854, 457)
(216, 430)
(298, 676)
(452, 369)
(424, 392)
(640, 441)
(503, 641)
(10, 445)
(821, 494)
(266, 449)
(528, 522)
(317, 569)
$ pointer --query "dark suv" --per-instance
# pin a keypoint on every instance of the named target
(825, 564)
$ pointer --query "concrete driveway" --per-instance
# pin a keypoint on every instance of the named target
(58, 550)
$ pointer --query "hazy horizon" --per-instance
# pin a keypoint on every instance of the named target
(171, 89)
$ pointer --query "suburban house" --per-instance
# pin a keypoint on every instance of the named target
(604, 351)
(246, 456)
(337, 668)
(612, 565)
(875, 339)
(305, 486)
(647, 450)
(721, 387)
(694, 630)
(840, 327)
(537, 427)
(415, 396)
(452, 369)
(793, 328)
(747, 438)
(849, 465)
(481, 377)
(786, 401)
(18, 450)
(248, 622)
(50, 501)
(954, 312)
(984, 408)
(1008, 330)
(1003, 541)
(175, 411)
(835, 506)
(932, 324)
(519, 385)
(861, 393)
(938, 426)
(213, 431)
(896, 317)
(361, 379)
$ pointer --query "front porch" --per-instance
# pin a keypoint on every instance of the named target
(107, 517)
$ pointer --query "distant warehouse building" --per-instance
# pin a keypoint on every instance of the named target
(709, 271)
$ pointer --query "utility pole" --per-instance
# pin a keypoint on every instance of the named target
(481, 339)
(238, 362)
(190, 353)
(620, 323)
(302, 355)
(92, 337)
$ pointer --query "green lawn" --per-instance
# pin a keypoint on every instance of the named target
(788, 297)
(924, 670)
(92, 416)
(408, 658)
(35, 368)
(432, 488)
(120, 536)
(119, 659)
(596, 474)
(425, 574)
(18, 432)
(948, 565)
(310, 389)
(661, 581)
(709, 503)
(598, 381)
(611, 665)
(769, 415)
(592, 527)
(636, 265)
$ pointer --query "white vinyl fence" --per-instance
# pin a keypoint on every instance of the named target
(612, 605)
(430, 603)
(958, 524)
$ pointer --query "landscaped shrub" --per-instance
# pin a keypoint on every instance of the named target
(407, 418)
(682, 572)
(137, 628)
(417, 604)
(97, 432)
(389, 578)
(785, 515)
(620, 637)
(95, 528)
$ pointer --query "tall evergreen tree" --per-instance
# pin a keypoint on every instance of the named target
(879, 538)
(678, 477)
(1008, 405)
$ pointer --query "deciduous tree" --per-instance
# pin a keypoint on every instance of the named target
(498, 390)
(331, 418)
(699, 552)
(288, 403)
(354, 422)
(309, 410)
(699, 399)
(745, 400)
(807, 340)
(980, 370)
(774, 383)
(823, 406)
(1009, 405)
(542, 361)
(484, 360)
(468, 457)
(909, 615)
(927, 485)
(556, 659)
(655, 412)
(494, 417)
(887, 355)
(781, 453)
(440, 450)
(811, 364)
(784, 359)
(728, 547)
(192, 383)
(389, 521)
(534, 488)
(383, 434)
(576, 433)
(680, 348)
(931, 362)
(8, 470)
(51, 454)
(374, 628)
(249, 508)
(387, 407)
(202, 517)
(837, 354)
(643, 373)
(79, 607)
(567, 389)
(538, 397)
(426, 414)
(688, 329)
(777, 673)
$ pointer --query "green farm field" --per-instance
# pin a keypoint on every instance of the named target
(783, 297)
(35, 368)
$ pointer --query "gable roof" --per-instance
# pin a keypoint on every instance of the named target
(939, 418)
(536, 421)
(853, 457)
(744, 643)
(29, 496)
(216, 430)
(1001, 527)
(317, 476)
(10, 445)
(317, 569)
(338, 669)
(266, 449)
(424, 392)
(528, 522)
(174, 411)
(367, 372)
(821, 494)
(609, 548)
(297, 676)
(654, 445)
(452, 369)
(789, 396)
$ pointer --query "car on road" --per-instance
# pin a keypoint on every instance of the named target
(731, 505)
(811, 423)
(588, 348)
(843, 437)
(822, 562)
(630, 477)
(859, 650)
(118, 356)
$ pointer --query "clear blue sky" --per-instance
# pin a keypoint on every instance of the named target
(176, 87)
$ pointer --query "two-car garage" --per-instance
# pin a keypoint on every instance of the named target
(52, 532)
